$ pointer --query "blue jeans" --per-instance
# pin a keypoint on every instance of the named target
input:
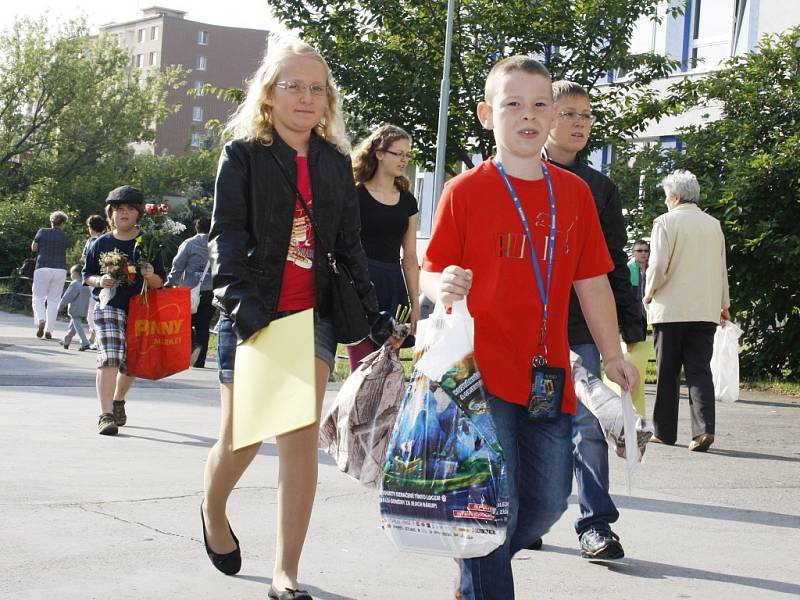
(590, 452)
(538, 466)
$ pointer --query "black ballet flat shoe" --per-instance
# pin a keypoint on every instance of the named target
(229, 563)
(288, 594)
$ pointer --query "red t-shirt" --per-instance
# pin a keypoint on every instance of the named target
(478, 227)
(297, 288)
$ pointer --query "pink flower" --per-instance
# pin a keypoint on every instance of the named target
(150, 209)
(163, 208)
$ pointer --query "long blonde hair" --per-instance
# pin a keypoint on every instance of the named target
(253, 119)
(365, 163)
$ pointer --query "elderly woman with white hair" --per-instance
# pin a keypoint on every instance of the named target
(686, 297)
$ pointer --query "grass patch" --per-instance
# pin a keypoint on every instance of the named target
(773, 386)
(342, 367)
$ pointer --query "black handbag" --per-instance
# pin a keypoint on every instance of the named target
(27, 267)
(350, 321)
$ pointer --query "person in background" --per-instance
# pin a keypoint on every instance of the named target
(96, 226)
(76, 301)
(187, 269)
(568, 136)
(638, 270)
(686, 297)
(124, 209)
(51, 272)
(388, 226)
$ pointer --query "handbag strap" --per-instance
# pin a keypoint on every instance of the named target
(331, 258)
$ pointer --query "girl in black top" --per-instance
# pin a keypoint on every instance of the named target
(388, 225)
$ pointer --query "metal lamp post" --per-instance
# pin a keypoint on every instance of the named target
(444, 100)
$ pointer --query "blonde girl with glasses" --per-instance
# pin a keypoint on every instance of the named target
(388, 226)
(288, 134)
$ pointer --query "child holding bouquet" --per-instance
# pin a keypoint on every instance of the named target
(114, 272)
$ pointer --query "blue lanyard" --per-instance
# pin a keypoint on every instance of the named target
(550, 246)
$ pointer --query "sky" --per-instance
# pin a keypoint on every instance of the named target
(235, 13)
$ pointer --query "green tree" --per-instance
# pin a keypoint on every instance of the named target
(747, 162)
(387, 57)
(68, 101)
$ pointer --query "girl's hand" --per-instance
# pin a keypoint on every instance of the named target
(107, 281)
(147, 270)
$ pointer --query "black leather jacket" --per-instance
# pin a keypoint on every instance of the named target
(252, 222)
(609, 209)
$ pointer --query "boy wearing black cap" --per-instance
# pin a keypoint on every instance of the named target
(124, 209)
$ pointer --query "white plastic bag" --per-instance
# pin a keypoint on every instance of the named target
(725, 362)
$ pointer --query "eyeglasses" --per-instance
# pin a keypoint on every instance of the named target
(295, 87)
(577, 117)
(398, 154)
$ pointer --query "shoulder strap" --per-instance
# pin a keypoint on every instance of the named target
(317, 238)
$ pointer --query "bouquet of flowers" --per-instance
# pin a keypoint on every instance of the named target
(120, 268)
(155, 230)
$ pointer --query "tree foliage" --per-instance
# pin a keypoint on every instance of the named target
(387, 57)
(748, 165)
(70, 106)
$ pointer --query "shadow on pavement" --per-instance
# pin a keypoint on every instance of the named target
(267, 448)
(754, 455)
(316, 592)
(722, 513)
(773, 404)
(653, 570)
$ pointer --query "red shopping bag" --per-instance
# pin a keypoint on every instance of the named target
(159, 333)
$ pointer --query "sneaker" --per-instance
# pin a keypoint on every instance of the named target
(107, 425)
(119, 412)
(701, 443)
(601, 544)
(64, 343)
(40, 329)
(536, 545)
(48, 335)
(93, 346)
(85, 347)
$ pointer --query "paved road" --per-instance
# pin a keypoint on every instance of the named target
(84, 516)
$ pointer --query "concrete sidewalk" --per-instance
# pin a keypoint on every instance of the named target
(86, 516)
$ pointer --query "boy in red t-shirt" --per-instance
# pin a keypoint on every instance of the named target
(505, 234)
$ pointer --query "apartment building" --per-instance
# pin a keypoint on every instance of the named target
(707, 34)
(221, 56)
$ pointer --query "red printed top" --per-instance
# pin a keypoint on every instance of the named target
(477, 227)
(297, 288)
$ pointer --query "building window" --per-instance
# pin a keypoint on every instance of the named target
(140, 35)
(154, 32)
(197, 113)
(712, 25)
(198, 88)
(197, 139)
(153, 58)
(139, 61)
(201, 63)
(202, 38)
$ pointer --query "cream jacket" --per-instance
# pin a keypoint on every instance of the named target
(687, 276)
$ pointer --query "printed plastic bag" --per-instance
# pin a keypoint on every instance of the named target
(725, 362)
(444, 479)
(615, 414)
(159, 333)
(356, 429)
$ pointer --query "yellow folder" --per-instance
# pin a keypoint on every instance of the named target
(273, 390)
(638, 357)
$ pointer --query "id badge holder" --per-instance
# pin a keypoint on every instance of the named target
(547, 391)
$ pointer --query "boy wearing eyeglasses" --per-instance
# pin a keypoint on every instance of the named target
(568, 136)
(513, 235)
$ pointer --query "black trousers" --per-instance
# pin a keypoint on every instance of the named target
(688, 345)
(201, 320)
